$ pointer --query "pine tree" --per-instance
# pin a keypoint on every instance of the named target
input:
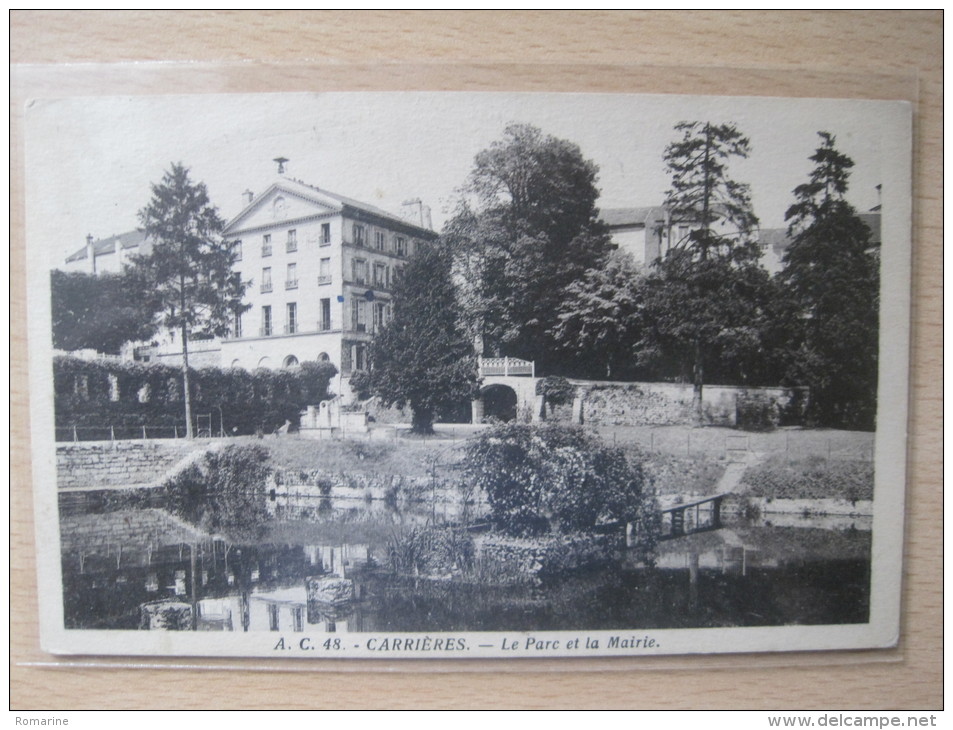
(422, 357)
(706, 296)
(831, 273)
(190, 265)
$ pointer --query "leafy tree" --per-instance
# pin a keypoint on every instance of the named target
(705, 299)
(598, 320)
(190, 266)
(533, 229)
(832, 276)
(422, 358)
(100, 312)
(555, 478)
(556, 389)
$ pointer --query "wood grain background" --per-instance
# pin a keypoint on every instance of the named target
(866, 54)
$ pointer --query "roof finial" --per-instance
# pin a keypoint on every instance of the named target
(281, 164)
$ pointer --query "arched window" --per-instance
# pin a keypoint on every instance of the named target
(324, 357)
(265, 362)
(290, 362)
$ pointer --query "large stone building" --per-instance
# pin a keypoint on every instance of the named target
(321, 268)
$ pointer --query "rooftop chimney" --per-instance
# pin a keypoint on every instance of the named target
(415, 211)
(90, 253)
(281, 164)
(247, 197)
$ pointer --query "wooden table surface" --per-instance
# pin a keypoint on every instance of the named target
(877, 54)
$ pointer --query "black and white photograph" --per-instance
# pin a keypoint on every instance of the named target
(467, 375)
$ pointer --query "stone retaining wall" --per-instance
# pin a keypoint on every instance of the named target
(117, 463)
(670, 404)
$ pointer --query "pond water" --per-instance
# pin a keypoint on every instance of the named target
(243, 564)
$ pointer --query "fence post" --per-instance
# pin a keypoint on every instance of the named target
(175, 430)
(112, 433)
(688, 444)
(75, 437)
(143, 432)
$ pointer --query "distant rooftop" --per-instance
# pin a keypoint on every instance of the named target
(622, 217)
(125, 241)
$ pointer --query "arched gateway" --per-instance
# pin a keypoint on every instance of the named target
(508, 390)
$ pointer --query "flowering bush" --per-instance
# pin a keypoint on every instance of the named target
(553, 478)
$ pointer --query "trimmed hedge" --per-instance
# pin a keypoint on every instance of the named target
(125, 394)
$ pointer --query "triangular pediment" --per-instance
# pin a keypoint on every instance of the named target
(282, 203)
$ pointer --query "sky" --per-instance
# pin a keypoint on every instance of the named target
(90, 160)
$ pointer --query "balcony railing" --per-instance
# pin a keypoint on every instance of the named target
(265, 331)
(291, 247)
(324, 325)
(265, 288)
(291, 329)
(506, 366)
(291, 284)
(266, 250)
(326, 279)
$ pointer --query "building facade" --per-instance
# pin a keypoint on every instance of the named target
(322, 269)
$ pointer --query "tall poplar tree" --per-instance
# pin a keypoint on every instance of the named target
(832, 275)
(190, 265)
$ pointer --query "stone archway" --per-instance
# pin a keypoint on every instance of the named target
(499, 402)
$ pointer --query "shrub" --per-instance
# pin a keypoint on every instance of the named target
(96, 394)
(557, 390)
(757, 412)
(554, 478)
(225, 492)
(360, 383)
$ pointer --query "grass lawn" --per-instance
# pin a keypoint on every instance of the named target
(799, 463)
(408, 456)
(809, 478)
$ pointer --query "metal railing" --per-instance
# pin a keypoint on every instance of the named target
(506, 366)
(76, 434)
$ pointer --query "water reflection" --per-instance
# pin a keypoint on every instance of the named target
(285, 563)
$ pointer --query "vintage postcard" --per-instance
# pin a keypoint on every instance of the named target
(467, 375)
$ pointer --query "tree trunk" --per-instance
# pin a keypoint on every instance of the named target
(698, 380)
(185, 383)
(422, 421)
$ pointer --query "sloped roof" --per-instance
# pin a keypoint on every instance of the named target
(622, 217)
(779, 240)
(126, 241)
(320, 195)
